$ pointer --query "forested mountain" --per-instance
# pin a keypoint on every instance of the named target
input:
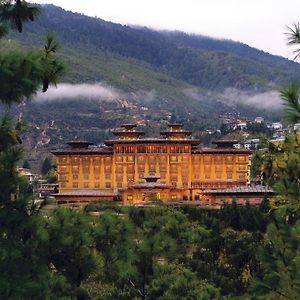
(155, 77)
(198, 60)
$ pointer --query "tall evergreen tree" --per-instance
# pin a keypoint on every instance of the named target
(25, 271)
(46, 166)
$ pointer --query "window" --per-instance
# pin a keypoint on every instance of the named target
(173, 168)
(97, 177)
(229, 159)
(162, 158)
(130, 159)
(141, 149)
(85, 169)
(119, 158)
(75, 160)
(173, 158)
(63, 159)
(218, 159)
(86, 160)
(130, 179)
(97, 185)
(107, 160)
(207, 159)
(75, 176)
(141, 168)
(63, 177)
(151, 159)
(229, 175)
(107, 169)
(96, 169)
(229, 168)
(75, 169)
(141, 158)
(75, 185)
(130, 169)
(119, 184)
(86, 185)
(119, 169)
(97, 160)
(196, 158)
(62, 169)
(151, 168)
(108, 176)
(86, 176)
(242, 176)
(163, 167)
(62, 184)
(107, 185)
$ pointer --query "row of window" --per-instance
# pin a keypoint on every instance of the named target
(152, 149)
(87, 185)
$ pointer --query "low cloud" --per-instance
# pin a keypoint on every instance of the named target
(266, 100)
(95, 91)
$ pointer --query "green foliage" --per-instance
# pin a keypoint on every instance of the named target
(174, 281)
(281, 262)
(294, 37)
(70, 245)
(281, 169)
(46, 166)
(290, 96)
(26, 165)
(17, 13)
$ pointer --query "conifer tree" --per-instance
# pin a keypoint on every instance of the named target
(25, 272)
(280, 256)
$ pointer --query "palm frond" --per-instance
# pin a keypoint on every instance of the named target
(290, 96)
(293, 38)
(51, 45)
(17, 13)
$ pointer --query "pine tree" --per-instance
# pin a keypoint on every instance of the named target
(26, 164)
(46, 166)
(280, 256)
(25, 272)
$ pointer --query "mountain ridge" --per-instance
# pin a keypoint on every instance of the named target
(197, 60)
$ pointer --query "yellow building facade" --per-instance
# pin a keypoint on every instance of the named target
(134, 169)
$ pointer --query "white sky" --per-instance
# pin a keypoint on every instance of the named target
(258, 23)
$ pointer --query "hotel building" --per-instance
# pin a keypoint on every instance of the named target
(174, 168)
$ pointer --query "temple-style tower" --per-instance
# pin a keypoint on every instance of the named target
(176, 132)
(128, 132)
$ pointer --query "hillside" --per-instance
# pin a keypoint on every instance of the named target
(198, 60)
(154, 77)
